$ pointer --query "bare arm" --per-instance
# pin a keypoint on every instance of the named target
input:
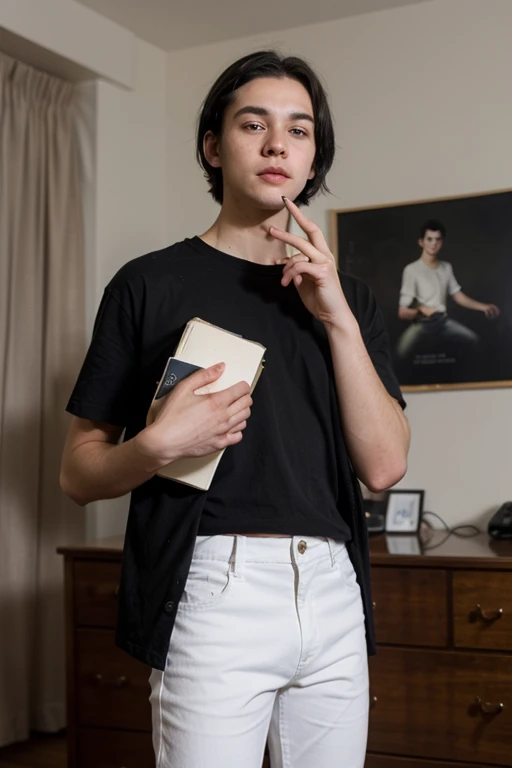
(490, 310)
(95, 467)
(406, 313)
(375, 428)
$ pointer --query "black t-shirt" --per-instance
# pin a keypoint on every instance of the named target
(287, 475)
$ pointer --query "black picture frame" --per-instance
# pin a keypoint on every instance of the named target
(404, 517)
(376, 244)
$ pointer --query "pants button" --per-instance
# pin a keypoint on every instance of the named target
(302, 546)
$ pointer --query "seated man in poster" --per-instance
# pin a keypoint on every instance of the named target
(426, 285)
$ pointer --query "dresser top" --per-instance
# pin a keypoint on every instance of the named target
(434, 549)
(439, 549)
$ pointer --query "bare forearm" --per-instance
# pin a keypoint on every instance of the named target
(406, 313)
(100, 470)
(375, 429)
(468, 303)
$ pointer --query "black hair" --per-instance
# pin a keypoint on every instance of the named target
(267, 64)
(435, 226)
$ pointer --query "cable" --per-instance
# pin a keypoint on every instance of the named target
(455, 531)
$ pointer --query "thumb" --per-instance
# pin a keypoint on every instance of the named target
(205, 376)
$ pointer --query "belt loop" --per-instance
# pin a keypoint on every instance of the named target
(237, 558)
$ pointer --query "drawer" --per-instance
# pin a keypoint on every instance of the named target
(114, 749)
(411, 606)
(112, 688)
(95, 592)
(426, 705)
(390, 761)
(482, 609)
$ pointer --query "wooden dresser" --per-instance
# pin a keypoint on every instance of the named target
(441, 683)
(109, 716)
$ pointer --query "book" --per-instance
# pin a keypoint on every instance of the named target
(202, 345)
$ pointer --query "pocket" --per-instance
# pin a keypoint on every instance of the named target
(347, 571)
(208, 583)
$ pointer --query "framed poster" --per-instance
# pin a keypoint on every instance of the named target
(441, 271)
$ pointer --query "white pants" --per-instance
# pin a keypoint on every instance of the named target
(269, 641)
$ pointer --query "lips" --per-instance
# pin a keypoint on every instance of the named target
(274, 175)
(274, 170)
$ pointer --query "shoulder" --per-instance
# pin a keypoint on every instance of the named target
(166, 264)
(412, 267)
(445, 266)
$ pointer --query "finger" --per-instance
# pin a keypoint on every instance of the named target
(232, 438)
(316, 271)
(303, 245)
(312, 230)
(239, 406)
(227, 397)
(237, 418)
(291, 260)
(238, 427)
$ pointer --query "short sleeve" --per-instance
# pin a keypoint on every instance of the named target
(107, 384)
(453, 285)
(375, 337)
(408, 289)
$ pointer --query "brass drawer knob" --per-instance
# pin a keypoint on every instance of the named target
(373, 702)
(488, 708)
(119, 681)
(486, 615)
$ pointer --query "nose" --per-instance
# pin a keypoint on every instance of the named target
(275, 144)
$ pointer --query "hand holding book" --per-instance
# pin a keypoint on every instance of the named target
(183, 425)
(195, 420)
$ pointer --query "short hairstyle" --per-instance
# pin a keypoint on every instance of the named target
(435, 226)
(267, 64)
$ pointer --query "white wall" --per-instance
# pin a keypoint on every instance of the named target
(420, 100)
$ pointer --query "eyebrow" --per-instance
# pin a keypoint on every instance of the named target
(265, 113)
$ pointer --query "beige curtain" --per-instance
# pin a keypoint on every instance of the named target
(42, 340)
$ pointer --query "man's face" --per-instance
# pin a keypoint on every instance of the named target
(432, 242)
(269, 124)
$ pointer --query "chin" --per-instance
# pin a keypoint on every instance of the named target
(272, 199)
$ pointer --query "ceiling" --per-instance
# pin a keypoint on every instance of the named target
(173, 24)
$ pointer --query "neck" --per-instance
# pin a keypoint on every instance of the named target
(243, 231)
(430, 261)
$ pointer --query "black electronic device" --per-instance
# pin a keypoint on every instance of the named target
(500, 524)
(375, 514)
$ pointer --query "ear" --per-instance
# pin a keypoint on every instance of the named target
(311, 174)
(420, 242)
(211, 149)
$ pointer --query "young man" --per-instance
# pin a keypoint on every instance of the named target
(264, 579)
(426, 284)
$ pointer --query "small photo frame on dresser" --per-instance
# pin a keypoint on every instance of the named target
(403, 511)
